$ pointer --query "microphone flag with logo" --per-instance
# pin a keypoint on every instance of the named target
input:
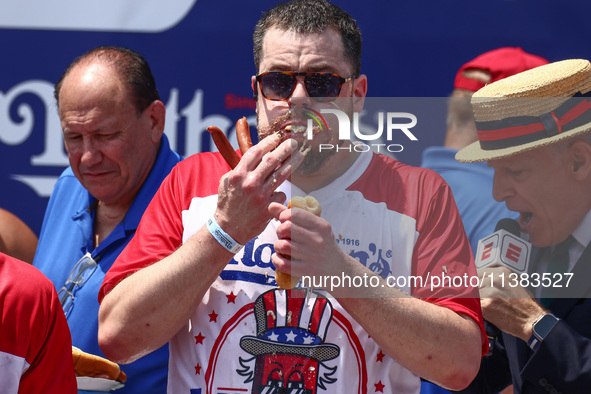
(504, 247)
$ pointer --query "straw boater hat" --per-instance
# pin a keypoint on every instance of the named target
(531, 109)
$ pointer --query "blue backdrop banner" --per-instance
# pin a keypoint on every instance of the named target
(200, 52)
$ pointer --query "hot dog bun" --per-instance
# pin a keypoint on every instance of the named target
(86, 364)
(310, 204)
(307, 203)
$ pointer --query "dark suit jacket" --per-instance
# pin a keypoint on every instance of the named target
(562, 363)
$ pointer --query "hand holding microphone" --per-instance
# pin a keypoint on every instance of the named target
(505, 303)
(500, 259)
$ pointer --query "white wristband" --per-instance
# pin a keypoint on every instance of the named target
(220, 235)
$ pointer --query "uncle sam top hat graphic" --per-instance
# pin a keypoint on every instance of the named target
(292, 322)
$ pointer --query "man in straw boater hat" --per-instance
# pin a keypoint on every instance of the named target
(479, 211)
(534, 131)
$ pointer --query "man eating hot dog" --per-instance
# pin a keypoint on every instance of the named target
(200, 271)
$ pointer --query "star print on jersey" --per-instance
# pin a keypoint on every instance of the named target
(379, 387)
(231, 298)
(213, 317)
(380, 357)
(199, 339)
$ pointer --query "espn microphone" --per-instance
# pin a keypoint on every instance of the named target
(504, 247)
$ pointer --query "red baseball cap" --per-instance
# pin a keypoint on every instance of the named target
(500, 63)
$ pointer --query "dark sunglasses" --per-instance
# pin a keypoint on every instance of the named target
(279, 85)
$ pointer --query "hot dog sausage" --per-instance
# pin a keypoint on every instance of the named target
(226, 149)
(243, 135)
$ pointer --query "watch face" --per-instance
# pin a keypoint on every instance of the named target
(544, 325)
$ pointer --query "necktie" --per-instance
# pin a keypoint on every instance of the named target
(557, 267)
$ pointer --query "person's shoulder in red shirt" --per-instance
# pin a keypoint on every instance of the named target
(35, 342)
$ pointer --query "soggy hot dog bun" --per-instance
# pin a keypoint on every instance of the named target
(86, 364)
(310, 204)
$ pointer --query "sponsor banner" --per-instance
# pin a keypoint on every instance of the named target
(201, 56)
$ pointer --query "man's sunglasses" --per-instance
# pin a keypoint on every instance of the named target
(279, 85)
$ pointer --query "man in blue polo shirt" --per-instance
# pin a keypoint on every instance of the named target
(113, 123)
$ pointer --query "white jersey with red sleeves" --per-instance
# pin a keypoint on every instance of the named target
(248, 336)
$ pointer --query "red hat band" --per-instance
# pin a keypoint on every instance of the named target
(515, 131)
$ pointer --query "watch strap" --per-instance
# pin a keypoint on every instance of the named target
(549, 321)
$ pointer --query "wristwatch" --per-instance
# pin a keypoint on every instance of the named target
(541, 327)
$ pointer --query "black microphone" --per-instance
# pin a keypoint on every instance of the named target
(509, 225)
(504, 247)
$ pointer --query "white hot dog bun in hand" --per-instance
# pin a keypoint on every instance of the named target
(310, 204)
